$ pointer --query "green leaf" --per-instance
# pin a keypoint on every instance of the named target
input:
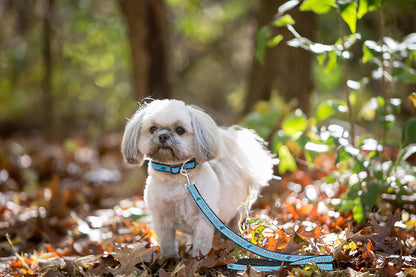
(347, 206)
(257, 234)
(359, 214)
(262, 36)
(284, 21)
(275, 41)
(352, 191)
(349, 14)
(255, 121)
(367, 54)
(321, 58)
(387, 121)
(287, 162)
(294, 123)
(317, 6)
(371, 50)
(332, 61)
(409, 132)
(342, 155)
(105, 80)
(405, 74)
(252, 119)
(325, 110)
(368, 6)
(371, 195)
(279, 139)
(271, 117)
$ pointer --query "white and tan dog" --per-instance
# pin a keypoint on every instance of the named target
(226, 164)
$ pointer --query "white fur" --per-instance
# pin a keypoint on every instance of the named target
(233, 164)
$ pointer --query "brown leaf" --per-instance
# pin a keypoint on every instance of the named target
(313, 234)
(362, 236)
(104, 265)
(251, 272)
(389, 270)
(58, 205)
(128, 257)
(385, 237)
(293, 247)
(282, 239)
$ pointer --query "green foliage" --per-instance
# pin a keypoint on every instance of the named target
(294, 123)
(365, 170)
(409, 132)
(284, 20)
(90, 80)
(261, 42)
(366, 6)
(400, 58)
(318, 6)
(329, 108)
(349, 14)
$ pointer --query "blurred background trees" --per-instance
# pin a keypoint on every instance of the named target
(329, 84)
(79, 67)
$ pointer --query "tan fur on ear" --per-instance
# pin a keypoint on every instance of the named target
(207, 138)
(130, 143)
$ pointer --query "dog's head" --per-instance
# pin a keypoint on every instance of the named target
(169, 131)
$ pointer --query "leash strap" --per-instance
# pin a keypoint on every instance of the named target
(267, 265)
(323, 261)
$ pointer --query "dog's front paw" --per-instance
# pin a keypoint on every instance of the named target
(202, 239)
(198, 250)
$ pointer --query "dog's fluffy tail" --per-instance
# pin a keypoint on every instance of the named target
(251, 156)
(259, 159)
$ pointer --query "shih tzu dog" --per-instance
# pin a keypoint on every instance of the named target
(227, 165)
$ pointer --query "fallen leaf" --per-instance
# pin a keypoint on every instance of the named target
(128, 257)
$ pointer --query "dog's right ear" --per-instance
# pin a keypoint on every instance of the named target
(130, 142)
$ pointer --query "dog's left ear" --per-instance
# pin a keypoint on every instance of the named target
(207, 137)
(130, 142)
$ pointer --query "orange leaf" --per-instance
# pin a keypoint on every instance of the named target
(292, 210)
(282, 239)
(51, 249)
(271, 244)
(306, 210)
(16, 263)
(314, 234)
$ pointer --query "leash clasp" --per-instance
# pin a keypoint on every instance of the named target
(184, 172)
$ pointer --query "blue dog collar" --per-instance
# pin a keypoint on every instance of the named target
(174, 169)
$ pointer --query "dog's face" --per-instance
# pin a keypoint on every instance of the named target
(167, 135)
(168, 131)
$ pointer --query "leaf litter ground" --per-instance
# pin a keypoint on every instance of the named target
(69, 209)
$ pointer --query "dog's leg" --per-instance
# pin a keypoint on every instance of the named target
(202, 237)
(165, 232)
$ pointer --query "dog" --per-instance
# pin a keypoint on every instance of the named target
(227, 165)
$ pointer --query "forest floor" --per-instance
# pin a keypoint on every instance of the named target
(72, 209)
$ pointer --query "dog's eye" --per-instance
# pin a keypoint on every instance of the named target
(152, 129)
(180, 131)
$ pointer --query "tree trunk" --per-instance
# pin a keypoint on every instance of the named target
(286, 69)
(150, 47)
(47, 99)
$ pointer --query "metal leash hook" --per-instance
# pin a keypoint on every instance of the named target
(184, 172)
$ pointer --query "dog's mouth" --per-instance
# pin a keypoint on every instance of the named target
(164, 149)
(164, 154)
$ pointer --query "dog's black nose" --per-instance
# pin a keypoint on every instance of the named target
(163, 138)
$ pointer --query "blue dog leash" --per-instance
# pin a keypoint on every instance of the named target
(324, 262)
